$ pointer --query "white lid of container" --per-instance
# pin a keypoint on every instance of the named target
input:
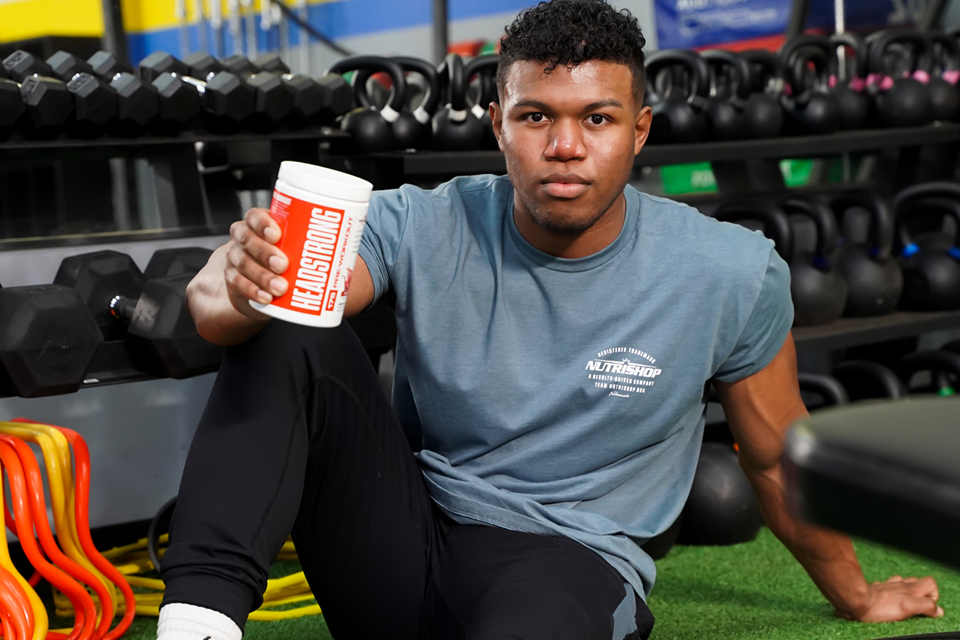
(337, 184)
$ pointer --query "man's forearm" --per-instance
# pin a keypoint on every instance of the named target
(827, 556)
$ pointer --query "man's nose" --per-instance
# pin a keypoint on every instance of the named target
(566, 141)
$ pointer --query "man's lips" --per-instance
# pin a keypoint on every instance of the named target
(564, 185)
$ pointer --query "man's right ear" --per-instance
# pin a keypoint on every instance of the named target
(496, 118)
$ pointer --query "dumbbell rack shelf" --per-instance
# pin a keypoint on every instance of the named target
(114, 143)
(85, 181)
(740, 166)
(115, 362)
(853, 332)
(123, 361)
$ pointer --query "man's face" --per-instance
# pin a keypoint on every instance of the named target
(569, 137)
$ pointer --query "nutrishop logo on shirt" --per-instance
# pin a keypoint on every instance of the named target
(614, 371)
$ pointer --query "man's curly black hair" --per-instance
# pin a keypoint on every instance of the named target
(568, 32)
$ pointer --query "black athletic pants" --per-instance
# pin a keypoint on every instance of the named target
(298, 437)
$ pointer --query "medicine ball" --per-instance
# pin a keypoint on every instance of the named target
(722, 507)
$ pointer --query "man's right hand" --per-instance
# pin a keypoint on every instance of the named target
(246, 269)
(254, 264)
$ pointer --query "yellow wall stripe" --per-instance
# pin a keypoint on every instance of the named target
(22, 19)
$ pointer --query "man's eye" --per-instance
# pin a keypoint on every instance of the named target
(597, 119)
(535, 117)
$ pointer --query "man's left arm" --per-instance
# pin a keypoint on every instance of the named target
(760, 408)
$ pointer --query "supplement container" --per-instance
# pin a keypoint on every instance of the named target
(321, 213)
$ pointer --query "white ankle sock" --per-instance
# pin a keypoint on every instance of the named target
(180, 621)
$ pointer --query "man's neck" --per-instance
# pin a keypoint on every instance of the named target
(600, 235)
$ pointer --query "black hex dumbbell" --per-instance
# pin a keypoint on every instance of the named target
(339, 93)
(94, 101)
(341, 98)
(138, 103)
(47, 340)
(225, 100)
(11, 106)
(314, 101)
(178, 102)
(272, 99)
(154, 310)
(47, 103)
(224, 88)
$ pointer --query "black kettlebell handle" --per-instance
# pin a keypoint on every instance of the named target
(790, 47)
(827, 387)
(880, 233)
(390, 111)
(742, 73)
(933, 361)
(695, 66)
(850, 42)
(770, 78)
(828, 235)
(482, 65)
(851, 369)
(431, 100)
(796, 72)
(776, 225)
(488, 90)
(454, 84)
(939, 193)
(953, 347)
(925, 190)
(893, 36)
(946, 59)
(943, 206)
(427, 106)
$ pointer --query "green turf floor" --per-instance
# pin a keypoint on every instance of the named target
(749, 591)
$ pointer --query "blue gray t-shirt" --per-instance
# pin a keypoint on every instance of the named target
(560, 396)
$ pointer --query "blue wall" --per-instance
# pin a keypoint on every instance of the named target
(337, 20)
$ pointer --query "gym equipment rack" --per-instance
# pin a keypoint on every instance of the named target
(186, 195)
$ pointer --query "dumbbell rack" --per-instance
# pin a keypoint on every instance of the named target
(177, 180)
(743, 167)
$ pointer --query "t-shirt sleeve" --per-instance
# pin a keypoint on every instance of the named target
(767, 326)
(383, 235)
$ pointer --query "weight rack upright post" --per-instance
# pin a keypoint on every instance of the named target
(441, 34)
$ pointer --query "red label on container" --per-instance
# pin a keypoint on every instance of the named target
(310, 236)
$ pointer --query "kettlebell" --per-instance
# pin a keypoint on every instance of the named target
(371, 129)
(776, 225)
(902, 101)
(873, 277)
(943, 366)
(722, 507)
(810, 107)
(942, 62)
(930, 262)
(485, 68)
(951, 380)
(848, 82)
(455, 128)
(864, 380)
(819, 291)
(726, 118)
(411, 129)
(765, 116)
(660, 545)
(678, 115)
(827, 388)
